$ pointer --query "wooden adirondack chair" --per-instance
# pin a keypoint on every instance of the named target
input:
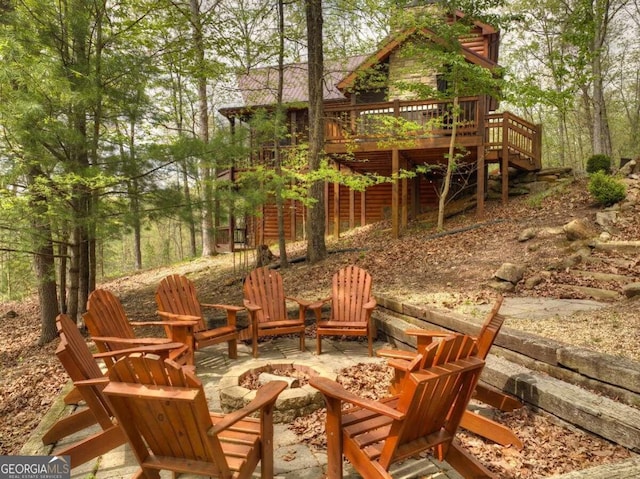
(164, 414)
(266, 302)
(88, 379)
(351, 307)
(473, 422)
(177, 301)
(425, 415)
(111, 330)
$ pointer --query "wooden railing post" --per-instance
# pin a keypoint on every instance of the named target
(480, 176)
(504, 169)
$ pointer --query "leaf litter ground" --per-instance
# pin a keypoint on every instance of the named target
(421, 267)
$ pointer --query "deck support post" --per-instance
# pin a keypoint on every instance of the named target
(352, 208)
(481, 182)
(395, 194)
(404, 204)
(336, 207)
(326, 207)
(363, 207)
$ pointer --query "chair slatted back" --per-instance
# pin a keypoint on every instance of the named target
(350, 290)
(80, 365)
(448, 349)
(490, 329)
(163, 407)
(105, 316)
(264, 287)
(177, 294)
(433, 401)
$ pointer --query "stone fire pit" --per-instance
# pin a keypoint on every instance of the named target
(291, 403)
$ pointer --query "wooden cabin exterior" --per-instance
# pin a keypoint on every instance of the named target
(356, 146)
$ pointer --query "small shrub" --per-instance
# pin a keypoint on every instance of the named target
(606, 189)
(599, 162)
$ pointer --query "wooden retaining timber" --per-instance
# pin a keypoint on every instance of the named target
(572, 383)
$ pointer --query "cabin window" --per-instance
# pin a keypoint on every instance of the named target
(442, 83)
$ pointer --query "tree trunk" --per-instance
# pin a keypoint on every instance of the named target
(208, 232)
(63, 251)
(282, 240)
(316, 247)
(191, 223)
(44, 266)
(451, 162)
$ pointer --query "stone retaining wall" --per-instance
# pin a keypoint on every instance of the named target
(612, 376)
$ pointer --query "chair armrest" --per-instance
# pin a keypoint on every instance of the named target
(141, 349)
(265, 396)
(334, 390)
(92, 382)
(230, 309)
(131, 342)
(251, 307)
(178, 320)
(318, 304)
(370, 304)
(427, 333)
(396, 354)
(226, 307)
(301, 302)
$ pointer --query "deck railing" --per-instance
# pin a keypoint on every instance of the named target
(505, 132)
(371, 120)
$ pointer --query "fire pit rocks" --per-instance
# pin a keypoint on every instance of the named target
(292, 402)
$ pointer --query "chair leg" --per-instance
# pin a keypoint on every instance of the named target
(254, 343)
(370, 341)
(496, 398)
(233, 348)
(489, 429)
(302, 348)
(93, 446)
(68, 425)
(318, 344)
(465, 464)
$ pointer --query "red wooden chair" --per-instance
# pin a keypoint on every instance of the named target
(423, 416)
(351, 306)
(111, 330)
(480, 425)
(177, 301)
(87, 378)
(163, 411)
(266, 302)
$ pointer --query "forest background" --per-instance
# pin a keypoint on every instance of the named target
(110, 141)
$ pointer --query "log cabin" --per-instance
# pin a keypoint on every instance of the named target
(353, 108)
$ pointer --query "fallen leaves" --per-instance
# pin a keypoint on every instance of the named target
(549, 446)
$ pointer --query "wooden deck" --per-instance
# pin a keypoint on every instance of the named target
(422, 132)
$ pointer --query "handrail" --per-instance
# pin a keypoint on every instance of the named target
(367, 121)
(507, 131)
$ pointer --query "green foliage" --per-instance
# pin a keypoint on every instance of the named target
(606, 189)
(599, 162)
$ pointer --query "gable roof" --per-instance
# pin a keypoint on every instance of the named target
(394, 42)
(258, 88)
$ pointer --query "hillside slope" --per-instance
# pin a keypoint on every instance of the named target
(423, 267)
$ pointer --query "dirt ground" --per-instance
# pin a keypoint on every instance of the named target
(451, 271)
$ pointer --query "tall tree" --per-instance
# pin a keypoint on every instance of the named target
(206, 174)
(316, 215)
